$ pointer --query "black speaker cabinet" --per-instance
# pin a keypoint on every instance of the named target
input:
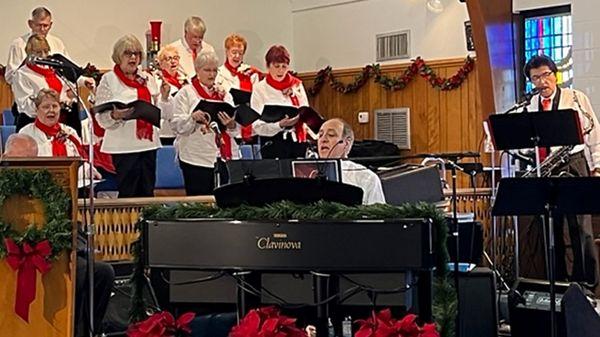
(470, 240)
(116, 320)
(411, 184)
(477, 295)
(529, 308)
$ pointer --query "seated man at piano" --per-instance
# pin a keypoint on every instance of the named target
(582, 160)
(335, 141)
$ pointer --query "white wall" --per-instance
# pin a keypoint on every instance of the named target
(89, 28)
(519, 5)
(343, 35)
(586, 49)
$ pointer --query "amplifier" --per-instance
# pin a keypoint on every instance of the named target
(411, 184)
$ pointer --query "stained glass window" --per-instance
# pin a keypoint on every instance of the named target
(551, 35)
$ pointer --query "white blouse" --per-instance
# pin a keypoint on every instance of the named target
(44, 142)
(186, 61)
(166, 111)
(17, 54)
(227, 80)
(194, 147)
(120, 135)
(264, 94)
(27, 83)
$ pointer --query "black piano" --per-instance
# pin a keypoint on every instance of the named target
(360, 246)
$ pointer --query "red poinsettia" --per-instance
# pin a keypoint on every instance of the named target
(162, 324)
(266, 322)
(382, 324)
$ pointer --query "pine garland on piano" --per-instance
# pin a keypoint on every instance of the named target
(444, 307)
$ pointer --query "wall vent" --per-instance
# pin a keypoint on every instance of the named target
(393, 46)
(393, 125)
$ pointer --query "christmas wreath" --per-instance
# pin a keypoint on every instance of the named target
(34, 248)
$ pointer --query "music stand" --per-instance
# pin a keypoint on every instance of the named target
(534, 129)
(548, 196)
(259, 192)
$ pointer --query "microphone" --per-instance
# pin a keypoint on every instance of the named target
(47, 62)
(524, 101)
(215, 128)
(334, 146)
(258, 150)
(530, 94)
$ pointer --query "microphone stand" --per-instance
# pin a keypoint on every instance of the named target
(90, 228)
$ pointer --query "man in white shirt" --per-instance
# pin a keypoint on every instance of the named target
(335, 141)
(40, 23)
(191, 44)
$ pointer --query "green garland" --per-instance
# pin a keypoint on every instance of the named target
(417, 67)
(444, 300)
(37, 185)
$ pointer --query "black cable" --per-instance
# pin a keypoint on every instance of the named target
(397, 290)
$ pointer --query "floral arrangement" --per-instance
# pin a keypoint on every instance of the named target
(417, 67)
(267, 322)
(382, 324)
(163, 324)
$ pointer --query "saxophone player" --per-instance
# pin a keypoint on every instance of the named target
(580, 263)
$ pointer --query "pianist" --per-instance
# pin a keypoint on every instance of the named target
(335, 141)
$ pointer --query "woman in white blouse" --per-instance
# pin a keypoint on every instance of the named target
(196, 141)
(171, 81)
(235, 74)
(132, 143)
(30, 78)
(287, 137)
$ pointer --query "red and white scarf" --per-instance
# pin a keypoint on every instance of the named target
(58, 139)
(171, 79)
(225, 148)
(144, 130)
(286, 87)
(245, 85)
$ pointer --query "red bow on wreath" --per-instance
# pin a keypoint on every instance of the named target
(25, 260)
(163, 324)
(382, 324)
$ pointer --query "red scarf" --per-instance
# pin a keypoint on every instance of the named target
(285, 86)
(171, 79)
(144, 130)
(245, 85)
(58, 139)
(49, 75)
(225, 148)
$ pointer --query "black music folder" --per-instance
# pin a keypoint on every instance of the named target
(242, 114)
(69, 70)
(308, 116)
(542, 128)
(240, 96)
(141, 110)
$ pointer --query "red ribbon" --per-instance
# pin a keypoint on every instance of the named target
(286, 86)
(25, 260)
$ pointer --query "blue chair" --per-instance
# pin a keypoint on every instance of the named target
(168, 173)
(5, 131)
(7, 117)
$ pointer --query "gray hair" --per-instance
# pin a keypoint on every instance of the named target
(40, 12)
(127, 42)
(20, 145)
(347, 131)
(195, 24)
(205, 56)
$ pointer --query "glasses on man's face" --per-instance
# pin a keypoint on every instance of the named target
(130, 53)
(542, 76)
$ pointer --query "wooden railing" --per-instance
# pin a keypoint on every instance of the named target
(115, 221)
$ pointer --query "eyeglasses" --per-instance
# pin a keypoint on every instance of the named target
(130, 53)
(171, 58)
(542, 76)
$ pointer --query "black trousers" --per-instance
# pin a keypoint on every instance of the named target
(136, 173)
(104, 276)
(576, 255)
(277, 147)
(198, 180)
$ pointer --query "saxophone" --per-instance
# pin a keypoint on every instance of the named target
(561, 156)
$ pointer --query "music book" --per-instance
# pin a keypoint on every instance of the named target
(141, 110)
(243, 114)
(240, 96)
(308, 115)
(70, 70)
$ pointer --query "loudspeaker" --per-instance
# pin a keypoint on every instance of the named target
(471, 241)
(477, 296)
(529, 308)
(581, 318)
(116, 321)
(411, 184)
